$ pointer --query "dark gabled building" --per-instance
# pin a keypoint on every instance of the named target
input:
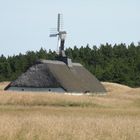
(57, 76)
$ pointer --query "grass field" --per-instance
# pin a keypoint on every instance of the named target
(40, 116)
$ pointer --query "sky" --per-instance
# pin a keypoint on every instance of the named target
(25, 24)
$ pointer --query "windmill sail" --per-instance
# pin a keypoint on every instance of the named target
(58, 23)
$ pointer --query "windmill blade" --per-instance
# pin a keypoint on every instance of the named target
(58, 43)
(53, 32)
(59, 22)
(53, 35)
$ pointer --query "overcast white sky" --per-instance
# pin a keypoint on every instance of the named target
(25, 24)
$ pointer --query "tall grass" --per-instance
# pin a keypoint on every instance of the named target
(42, 99)
(53, 127)
(40, 116)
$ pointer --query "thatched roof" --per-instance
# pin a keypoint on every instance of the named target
(55, 74)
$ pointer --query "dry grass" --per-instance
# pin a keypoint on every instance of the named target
(40, 116)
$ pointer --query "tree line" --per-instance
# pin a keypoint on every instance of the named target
(118, 63)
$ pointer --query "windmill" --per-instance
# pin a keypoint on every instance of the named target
(59, 75)
(61, 36)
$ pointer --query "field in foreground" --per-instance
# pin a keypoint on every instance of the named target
(40, 116)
